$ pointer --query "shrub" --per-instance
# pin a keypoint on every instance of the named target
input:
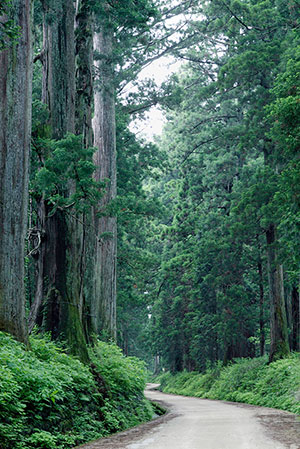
(49, 399)
(252, 381)
(125, 381)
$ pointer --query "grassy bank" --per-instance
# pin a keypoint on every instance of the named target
(252, 381)
(49, 399)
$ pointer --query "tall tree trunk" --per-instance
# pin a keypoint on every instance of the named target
(104, 306)
(58, 93)
(59, 66)
(261, 310)
(35, 313)
(60, 266)
(83, 126)
(278, 326)
(15, 128)
(295, 340)
(84, 76)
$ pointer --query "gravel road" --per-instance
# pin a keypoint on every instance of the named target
(205, 424)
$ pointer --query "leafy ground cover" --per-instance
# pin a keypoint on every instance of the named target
(49, 399)
(252, 381)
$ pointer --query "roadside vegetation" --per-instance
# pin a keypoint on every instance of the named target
(252, 381)
(184, 251)
(49, 399)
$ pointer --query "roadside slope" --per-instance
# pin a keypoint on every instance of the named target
(252, 381)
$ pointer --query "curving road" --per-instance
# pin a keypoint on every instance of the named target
(194, 423)
(205, 424)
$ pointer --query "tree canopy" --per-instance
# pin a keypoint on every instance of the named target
(186, 250)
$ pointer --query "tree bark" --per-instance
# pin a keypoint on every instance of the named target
(15, 128)
(295, 340)
(83, 74)
(60, 263)
(35, 313)
(278, 327)
(58, 93)
(261, 310)
(104, 304)
(83, 126)
(59, 66)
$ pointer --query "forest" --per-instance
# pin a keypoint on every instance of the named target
(182, 251)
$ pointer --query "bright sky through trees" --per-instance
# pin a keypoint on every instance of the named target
(154, 120)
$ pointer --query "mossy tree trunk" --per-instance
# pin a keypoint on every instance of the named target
(295, 336)
(104, 303)
(15, 128)
(84, 71)
(261, 309)
(279, 335)
(59, 65)
(61, 249)
(83, 126)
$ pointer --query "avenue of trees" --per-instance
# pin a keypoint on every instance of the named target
(186, 250)
(228, 284)
(222, 279)
(64, 65)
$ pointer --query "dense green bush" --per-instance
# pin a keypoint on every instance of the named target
(125, 380)
(252, 381)
(49, 399)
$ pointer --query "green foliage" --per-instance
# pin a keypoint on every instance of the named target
(44, 400)
(66, 175)
(125, 375)
(136, 207)
(9, 31)
(232, 142)
(128, 14)
(284, 111)
(252, 381)
(42, 440)
(40, 120)
(49, 399)
(125, 380)
(134, 38)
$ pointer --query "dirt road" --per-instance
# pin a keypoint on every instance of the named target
(204, 424)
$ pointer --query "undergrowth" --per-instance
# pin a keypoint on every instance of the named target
(252, 381)
(49, 399)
